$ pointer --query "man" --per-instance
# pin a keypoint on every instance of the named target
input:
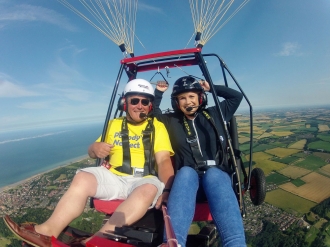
(199, 142)
(128, 176)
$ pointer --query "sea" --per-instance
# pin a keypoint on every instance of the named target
(26, 153)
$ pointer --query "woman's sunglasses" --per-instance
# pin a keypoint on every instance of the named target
(144, 102)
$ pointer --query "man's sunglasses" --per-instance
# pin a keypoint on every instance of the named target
(144, 102)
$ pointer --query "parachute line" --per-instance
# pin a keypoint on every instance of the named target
(115, 19)
(209, 17)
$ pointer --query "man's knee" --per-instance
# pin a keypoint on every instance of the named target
(84, 181)
(147, 191)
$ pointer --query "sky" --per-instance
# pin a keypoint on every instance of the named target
(55, 68)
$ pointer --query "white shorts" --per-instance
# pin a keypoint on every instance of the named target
(111, 186)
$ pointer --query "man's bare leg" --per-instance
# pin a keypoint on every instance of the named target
(132, 209)
(71, 205)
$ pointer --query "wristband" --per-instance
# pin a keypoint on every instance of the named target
(166, 190)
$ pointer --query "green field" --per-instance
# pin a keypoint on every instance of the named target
(298, 182)
(324, 137)
(262, 161)
(262, 147)
(320, 145)
(300, 155)
(289, 128)
(311, 162)
(311, 235)
(264, 126)
(244, 147)
(279, 144)
(288, 201)
(276, 178)
(327, 237)
(312, 129)
(310, 217)
(286, 160)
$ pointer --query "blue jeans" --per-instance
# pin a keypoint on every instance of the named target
(222, 202)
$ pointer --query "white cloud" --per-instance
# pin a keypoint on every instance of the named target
(34, 105)
(8, 121)
(146, 7)
(289, 49)
(25, 12)
(12, 90)
(76, 94)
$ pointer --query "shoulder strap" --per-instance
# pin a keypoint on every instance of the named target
(126, 166)
(193, 143)
(148, 145)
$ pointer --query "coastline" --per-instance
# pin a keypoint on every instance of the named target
(61, 164)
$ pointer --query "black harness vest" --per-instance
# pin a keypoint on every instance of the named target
(201, 164)
(148, 146)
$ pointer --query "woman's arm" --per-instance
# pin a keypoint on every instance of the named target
(156, 103)
(232, 98)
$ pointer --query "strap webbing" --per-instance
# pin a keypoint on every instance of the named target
(126, 166)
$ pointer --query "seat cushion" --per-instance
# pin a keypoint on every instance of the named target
(202, 211)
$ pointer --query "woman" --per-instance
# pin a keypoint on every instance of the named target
(199, 142)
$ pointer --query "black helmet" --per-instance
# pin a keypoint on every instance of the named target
(187, 84)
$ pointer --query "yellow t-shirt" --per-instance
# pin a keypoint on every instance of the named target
(113, 136)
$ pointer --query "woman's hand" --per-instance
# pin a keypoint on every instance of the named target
(205, 85)
(162, 86)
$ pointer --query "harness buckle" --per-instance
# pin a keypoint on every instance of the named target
(211, 163)
(191, 139)
(204, 165)
(138, 172)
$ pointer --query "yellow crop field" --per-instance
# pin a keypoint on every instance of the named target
(288, 201)
(257, 131)
(247, 129)
(294, 172)
(282, 152)
(242, 139)
(282, 133)
(299, 144)
(291, 125)
(262, 161)
(325, 170)
(308, 126)
(243, 124)
(261, 117)
(316, 188)
(323, 127)
(264, 135)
